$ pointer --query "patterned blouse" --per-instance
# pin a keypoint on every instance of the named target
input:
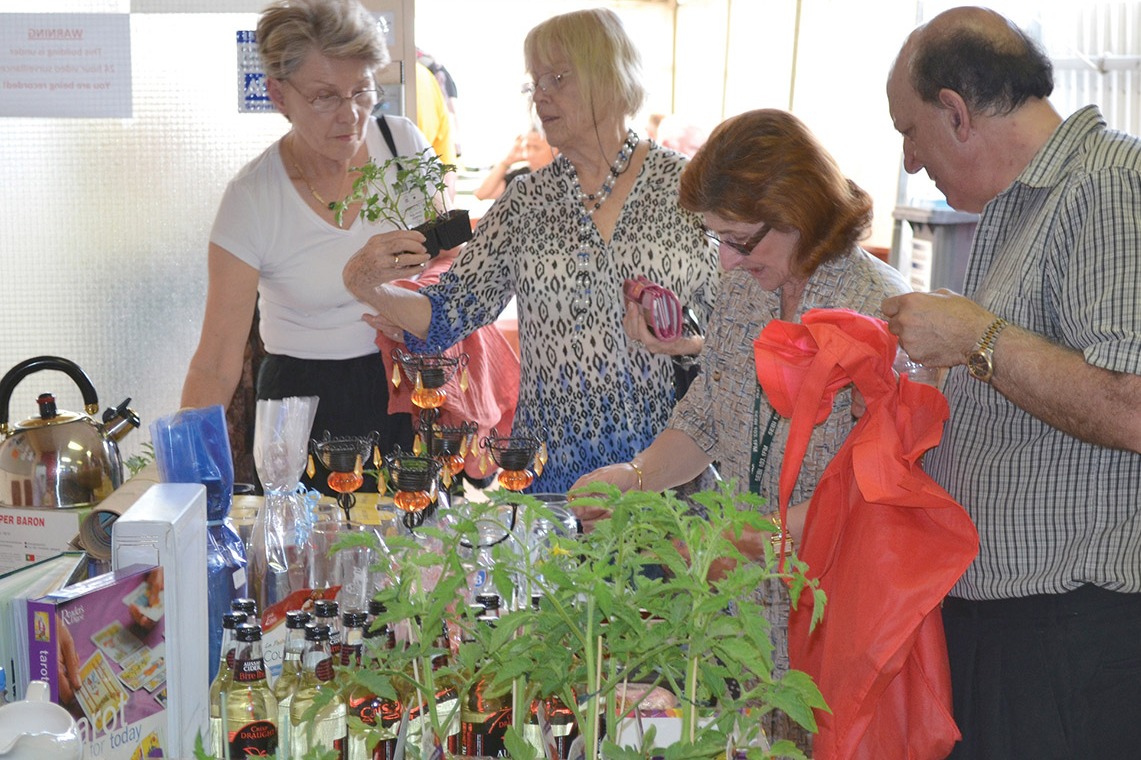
(597, 397)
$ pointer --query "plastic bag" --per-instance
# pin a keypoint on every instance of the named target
(278, 564)
(884, 540)
(193, 446)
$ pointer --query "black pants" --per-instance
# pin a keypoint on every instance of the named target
(1047, 677)
(353, 401)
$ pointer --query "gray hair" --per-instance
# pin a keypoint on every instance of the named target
(288, 30)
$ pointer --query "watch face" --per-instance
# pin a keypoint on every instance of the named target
(979, 365)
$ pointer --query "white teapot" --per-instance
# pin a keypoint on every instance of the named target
(38, 728)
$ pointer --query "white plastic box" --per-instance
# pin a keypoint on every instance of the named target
(167, 527)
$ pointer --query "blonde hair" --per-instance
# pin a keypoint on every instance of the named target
(288, 30)
(601, 56)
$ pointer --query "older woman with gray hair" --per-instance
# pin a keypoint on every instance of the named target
(276, 243)
(562, 240)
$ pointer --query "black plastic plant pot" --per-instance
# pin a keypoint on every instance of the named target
(450, 229)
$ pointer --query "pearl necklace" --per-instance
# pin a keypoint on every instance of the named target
(621, 163)
(583, 275)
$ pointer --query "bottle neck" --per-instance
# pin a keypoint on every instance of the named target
(318, 660)
(249, 664)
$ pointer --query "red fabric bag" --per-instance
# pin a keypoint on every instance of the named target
(884, 540)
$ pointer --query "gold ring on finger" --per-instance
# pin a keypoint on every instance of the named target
(396, 261)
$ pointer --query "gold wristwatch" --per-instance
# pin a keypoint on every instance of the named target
(980, 362)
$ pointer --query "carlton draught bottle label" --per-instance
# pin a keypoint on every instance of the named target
(257, 739)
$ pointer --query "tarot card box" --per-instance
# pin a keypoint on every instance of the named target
(101, 646)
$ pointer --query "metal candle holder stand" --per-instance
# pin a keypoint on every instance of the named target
(344, 458)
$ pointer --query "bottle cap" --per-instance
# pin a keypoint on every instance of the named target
(231, 620)
(248, 632)
(296, 619)
(246, 605)
(354, 618)
(324, 608)
(376, 607)
(316, 632)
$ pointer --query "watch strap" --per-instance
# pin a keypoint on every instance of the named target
(990, 335)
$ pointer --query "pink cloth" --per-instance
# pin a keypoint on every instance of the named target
(493, 371)
(885, 542)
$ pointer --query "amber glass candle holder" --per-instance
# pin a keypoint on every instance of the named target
(344, 458)
(519, 457)
(447, 444)
(428, 373)
(416, 479)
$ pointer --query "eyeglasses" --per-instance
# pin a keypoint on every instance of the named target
(746, 248)
(326, 104)
(546, 83)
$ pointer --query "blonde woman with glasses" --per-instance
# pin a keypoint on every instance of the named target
(595, 383)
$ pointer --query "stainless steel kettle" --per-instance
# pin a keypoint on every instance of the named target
(60, 459)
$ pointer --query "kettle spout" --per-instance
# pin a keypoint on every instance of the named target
(119, 421)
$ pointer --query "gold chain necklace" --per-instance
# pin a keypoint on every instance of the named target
(297, 168)
(313, 190)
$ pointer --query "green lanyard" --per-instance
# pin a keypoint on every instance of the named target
(762, 444)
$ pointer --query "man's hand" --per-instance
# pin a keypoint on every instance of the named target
(936, 329)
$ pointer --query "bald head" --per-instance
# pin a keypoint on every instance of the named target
(991, 63)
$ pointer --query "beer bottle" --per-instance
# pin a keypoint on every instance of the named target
(325, 612)
(221, 682)
(251, 710)
(286, 682)
(381, 717)
(485, 719)
(352, 627)
(327, 728)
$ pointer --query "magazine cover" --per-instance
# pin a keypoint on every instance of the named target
(100, 645)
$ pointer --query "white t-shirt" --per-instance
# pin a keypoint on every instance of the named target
(306, 312)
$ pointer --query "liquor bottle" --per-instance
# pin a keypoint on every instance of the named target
(221, 683)
(327, 729)
(352, 628)
(381, 716)
(251, 710)
(485, 719)
(375, 609)
(447, 703)
(560, 717)
(325, 612)
(564, 727)
(286, 682)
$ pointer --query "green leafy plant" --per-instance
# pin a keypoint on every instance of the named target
(136, 463)
(600, 621)
(416, 199)
(416, 195)
(604, 621)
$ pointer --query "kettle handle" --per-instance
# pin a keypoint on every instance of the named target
(10, 380)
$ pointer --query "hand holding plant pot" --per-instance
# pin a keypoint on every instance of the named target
(416, 199)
